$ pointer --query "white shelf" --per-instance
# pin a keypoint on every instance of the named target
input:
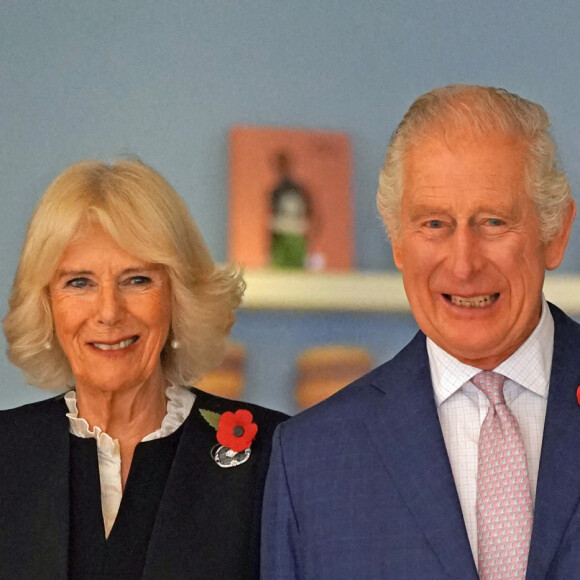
(270, 289)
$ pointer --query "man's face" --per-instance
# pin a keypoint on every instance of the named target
(470, 250)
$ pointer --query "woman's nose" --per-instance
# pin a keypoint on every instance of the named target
(109, 307)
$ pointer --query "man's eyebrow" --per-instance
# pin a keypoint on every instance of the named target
(427, 209)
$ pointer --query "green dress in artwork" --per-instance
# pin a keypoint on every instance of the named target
(288, 250)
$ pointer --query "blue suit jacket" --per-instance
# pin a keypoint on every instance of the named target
(360, 486)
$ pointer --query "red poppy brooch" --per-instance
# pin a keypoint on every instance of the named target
(235, 433)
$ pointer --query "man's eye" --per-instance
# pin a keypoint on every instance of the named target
(78, 282)
(434, 224)
(495, 222)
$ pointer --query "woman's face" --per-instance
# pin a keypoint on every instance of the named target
(111, 312)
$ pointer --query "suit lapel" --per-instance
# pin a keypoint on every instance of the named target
(407, 433)
(177, 520)
(559, 475)
(203, 515)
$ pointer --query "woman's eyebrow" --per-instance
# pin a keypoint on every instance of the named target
(72, 272)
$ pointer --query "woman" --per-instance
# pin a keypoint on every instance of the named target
(129, 474)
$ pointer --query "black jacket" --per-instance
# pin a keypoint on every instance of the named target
(208, 523)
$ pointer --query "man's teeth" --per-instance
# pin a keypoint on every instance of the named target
(117, 346)
(474, 301)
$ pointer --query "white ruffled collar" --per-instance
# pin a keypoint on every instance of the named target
(179, 404)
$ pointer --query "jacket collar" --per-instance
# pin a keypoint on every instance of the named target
(559, 473)
(202, 523)
(407, 433)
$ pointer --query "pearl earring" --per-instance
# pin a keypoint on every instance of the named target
(175, 344)
(47, 345)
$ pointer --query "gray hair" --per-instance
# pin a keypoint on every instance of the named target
(482, 110)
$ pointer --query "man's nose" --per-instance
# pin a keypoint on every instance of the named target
(465, 253)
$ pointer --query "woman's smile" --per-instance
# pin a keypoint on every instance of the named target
(121, 345)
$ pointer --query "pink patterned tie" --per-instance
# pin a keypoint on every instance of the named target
(504, 503)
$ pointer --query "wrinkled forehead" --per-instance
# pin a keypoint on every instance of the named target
(445, 151)
(491, 169)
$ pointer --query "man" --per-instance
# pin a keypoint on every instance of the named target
(429, 466)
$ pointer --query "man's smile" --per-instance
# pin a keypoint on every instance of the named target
(480, 301)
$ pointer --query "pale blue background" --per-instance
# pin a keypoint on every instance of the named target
(165, 80)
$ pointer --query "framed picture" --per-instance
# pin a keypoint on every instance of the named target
(290, 198)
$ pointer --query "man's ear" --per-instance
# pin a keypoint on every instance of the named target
(397, 252)
(555, 249)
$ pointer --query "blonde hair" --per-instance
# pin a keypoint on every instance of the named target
(482, 111)
(147, 218)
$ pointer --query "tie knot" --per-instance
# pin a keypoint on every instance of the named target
(491, 385)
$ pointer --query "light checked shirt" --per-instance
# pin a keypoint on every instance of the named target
(462, 408)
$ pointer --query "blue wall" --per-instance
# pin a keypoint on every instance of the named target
(165, 80)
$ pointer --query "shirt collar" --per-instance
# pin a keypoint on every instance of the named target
(179, 403)
(529, 366)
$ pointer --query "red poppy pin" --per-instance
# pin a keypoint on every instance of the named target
(578, 395)
(235, 433)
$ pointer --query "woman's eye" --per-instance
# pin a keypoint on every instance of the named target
(138, 280)
(78, 282)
